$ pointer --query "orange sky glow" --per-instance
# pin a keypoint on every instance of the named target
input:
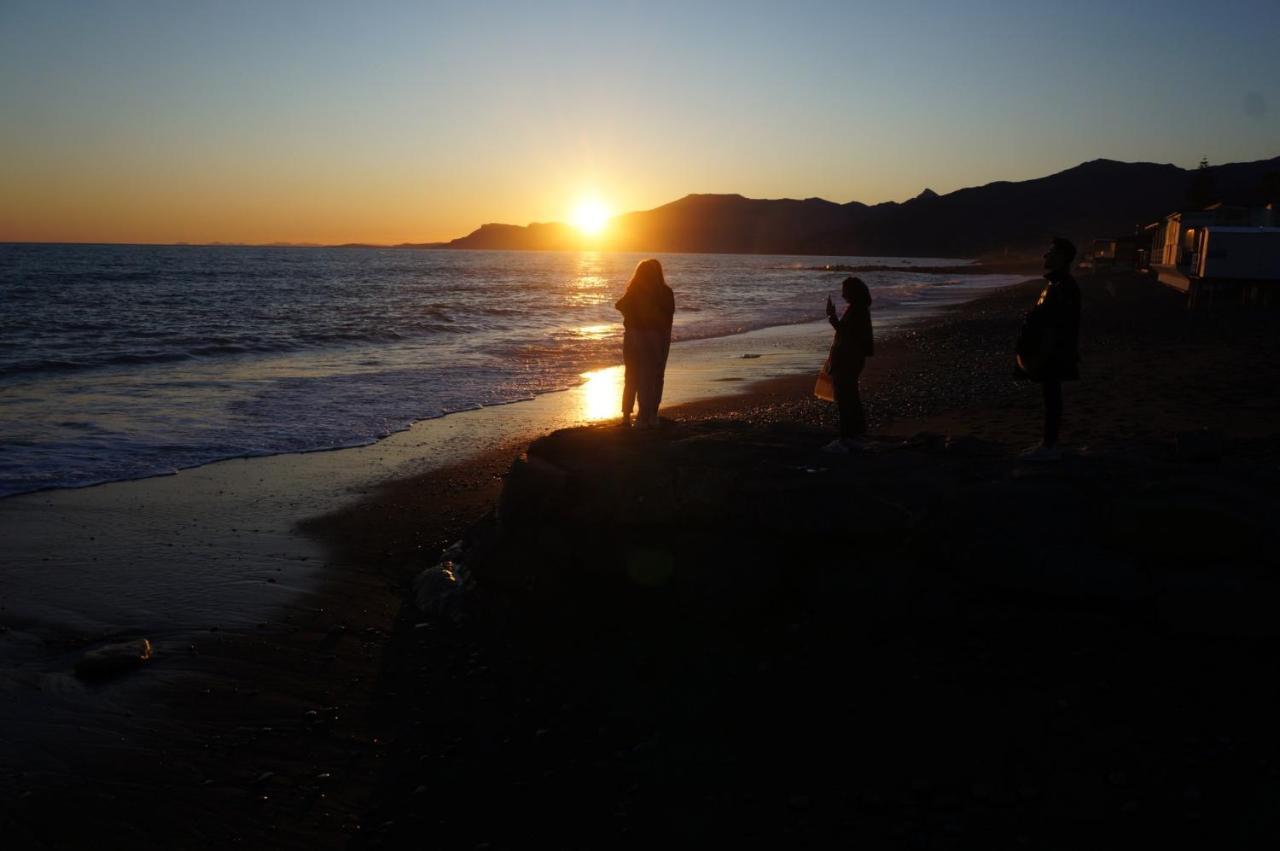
(332, 123)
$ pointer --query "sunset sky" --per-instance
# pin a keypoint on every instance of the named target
(395, 122)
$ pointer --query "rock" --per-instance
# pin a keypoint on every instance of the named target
(113, 660)
(1035, 535)
(533, 486)
(438, 592)
(650, 566)
(702, 492)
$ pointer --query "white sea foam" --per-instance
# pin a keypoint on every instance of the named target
(119, 362)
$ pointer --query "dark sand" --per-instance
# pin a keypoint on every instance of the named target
(355, 717)
(1004, 705)
(993, 266)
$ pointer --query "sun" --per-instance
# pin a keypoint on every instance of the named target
(590, 216)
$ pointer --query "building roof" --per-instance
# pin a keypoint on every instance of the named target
(1238, 229)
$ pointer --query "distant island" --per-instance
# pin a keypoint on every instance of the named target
(1095, 199)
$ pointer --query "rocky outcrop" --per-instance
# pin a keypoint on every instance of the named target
(727, 520)
(716, 625)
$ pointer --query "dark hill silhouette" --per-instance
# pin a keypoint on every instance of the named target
(551, 236)
(1097, 198)
(734, 224)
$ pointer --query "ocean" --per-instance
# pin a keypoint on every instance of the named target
(121, 362)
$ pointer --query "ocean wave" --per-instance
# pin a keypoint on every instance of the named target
(32, 366)
(220, 349)
(185, 350)
(335, 348)
(146, 357)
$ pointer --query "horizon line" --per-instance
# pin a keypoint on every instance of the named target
(439, 244)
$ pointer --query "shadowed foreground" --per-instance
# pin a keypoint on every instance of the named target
(714, 633)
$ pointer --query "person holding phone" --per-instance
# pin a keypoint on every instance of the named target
(849, 353)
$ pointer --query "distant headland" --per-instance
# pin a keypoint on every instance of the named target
(1097, 198)
(1000, 222)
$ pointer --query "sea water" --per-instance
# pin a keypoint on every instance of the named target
(121, 362)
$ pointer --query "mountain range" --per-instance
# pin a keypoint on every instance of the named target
(1101, 198)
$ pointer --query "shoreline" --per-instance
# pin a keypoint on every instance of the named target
(964, 671)
(971, 667)
(256, 653)
(340, 640)
(301, 597)
(921, 308)
(975, 267)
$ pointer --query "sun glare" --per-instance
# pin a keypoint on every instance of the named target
(601, 394)
(590, 216)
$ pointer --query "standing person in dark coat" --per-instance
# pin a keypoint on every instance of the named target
(849, 353)
(647, 307)
(1048, 347)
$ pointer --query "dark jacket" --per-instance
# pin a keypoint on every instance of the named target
(854, 343)
(1048, 347)
(647, 310)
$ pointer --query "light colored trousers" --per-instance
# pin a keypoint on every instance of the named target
(644, 355)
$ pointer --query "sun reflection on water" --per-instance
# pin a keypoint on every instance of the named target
(595, 332)
(590, 286)
(601, 394)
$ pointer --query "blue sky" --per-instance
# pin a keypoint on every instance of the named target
(412, 121)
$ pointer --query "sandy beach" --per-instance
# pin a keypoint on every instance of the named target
(321, 525)
(721, 634)
(267, 588)
(298, 698)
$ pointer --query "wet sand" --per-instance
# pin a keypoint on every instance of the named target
(270, 720)
(268, 588)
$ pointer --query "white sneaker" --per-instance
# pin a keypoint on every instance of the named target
(836, 447)
(1041, 454)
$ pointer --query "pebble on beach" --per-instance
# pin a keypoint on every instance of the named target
(114, 660)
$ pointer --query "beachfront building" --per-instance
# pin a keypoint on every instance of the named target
(1174, 238)
(1127, 251)
(1185, 253)
(1102, 254)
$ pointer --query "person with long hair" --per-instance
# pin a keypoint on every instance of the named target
(849, 353)
(647, 307)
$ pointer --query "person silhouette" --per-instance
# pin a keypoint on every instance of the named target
(1047, 350)
(648, 308)
(849, 353)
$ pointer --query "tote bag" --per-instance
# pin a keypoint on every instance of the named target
(824, 389)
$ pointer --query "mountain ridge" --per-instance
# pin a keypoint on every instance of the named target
(1099, 197)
